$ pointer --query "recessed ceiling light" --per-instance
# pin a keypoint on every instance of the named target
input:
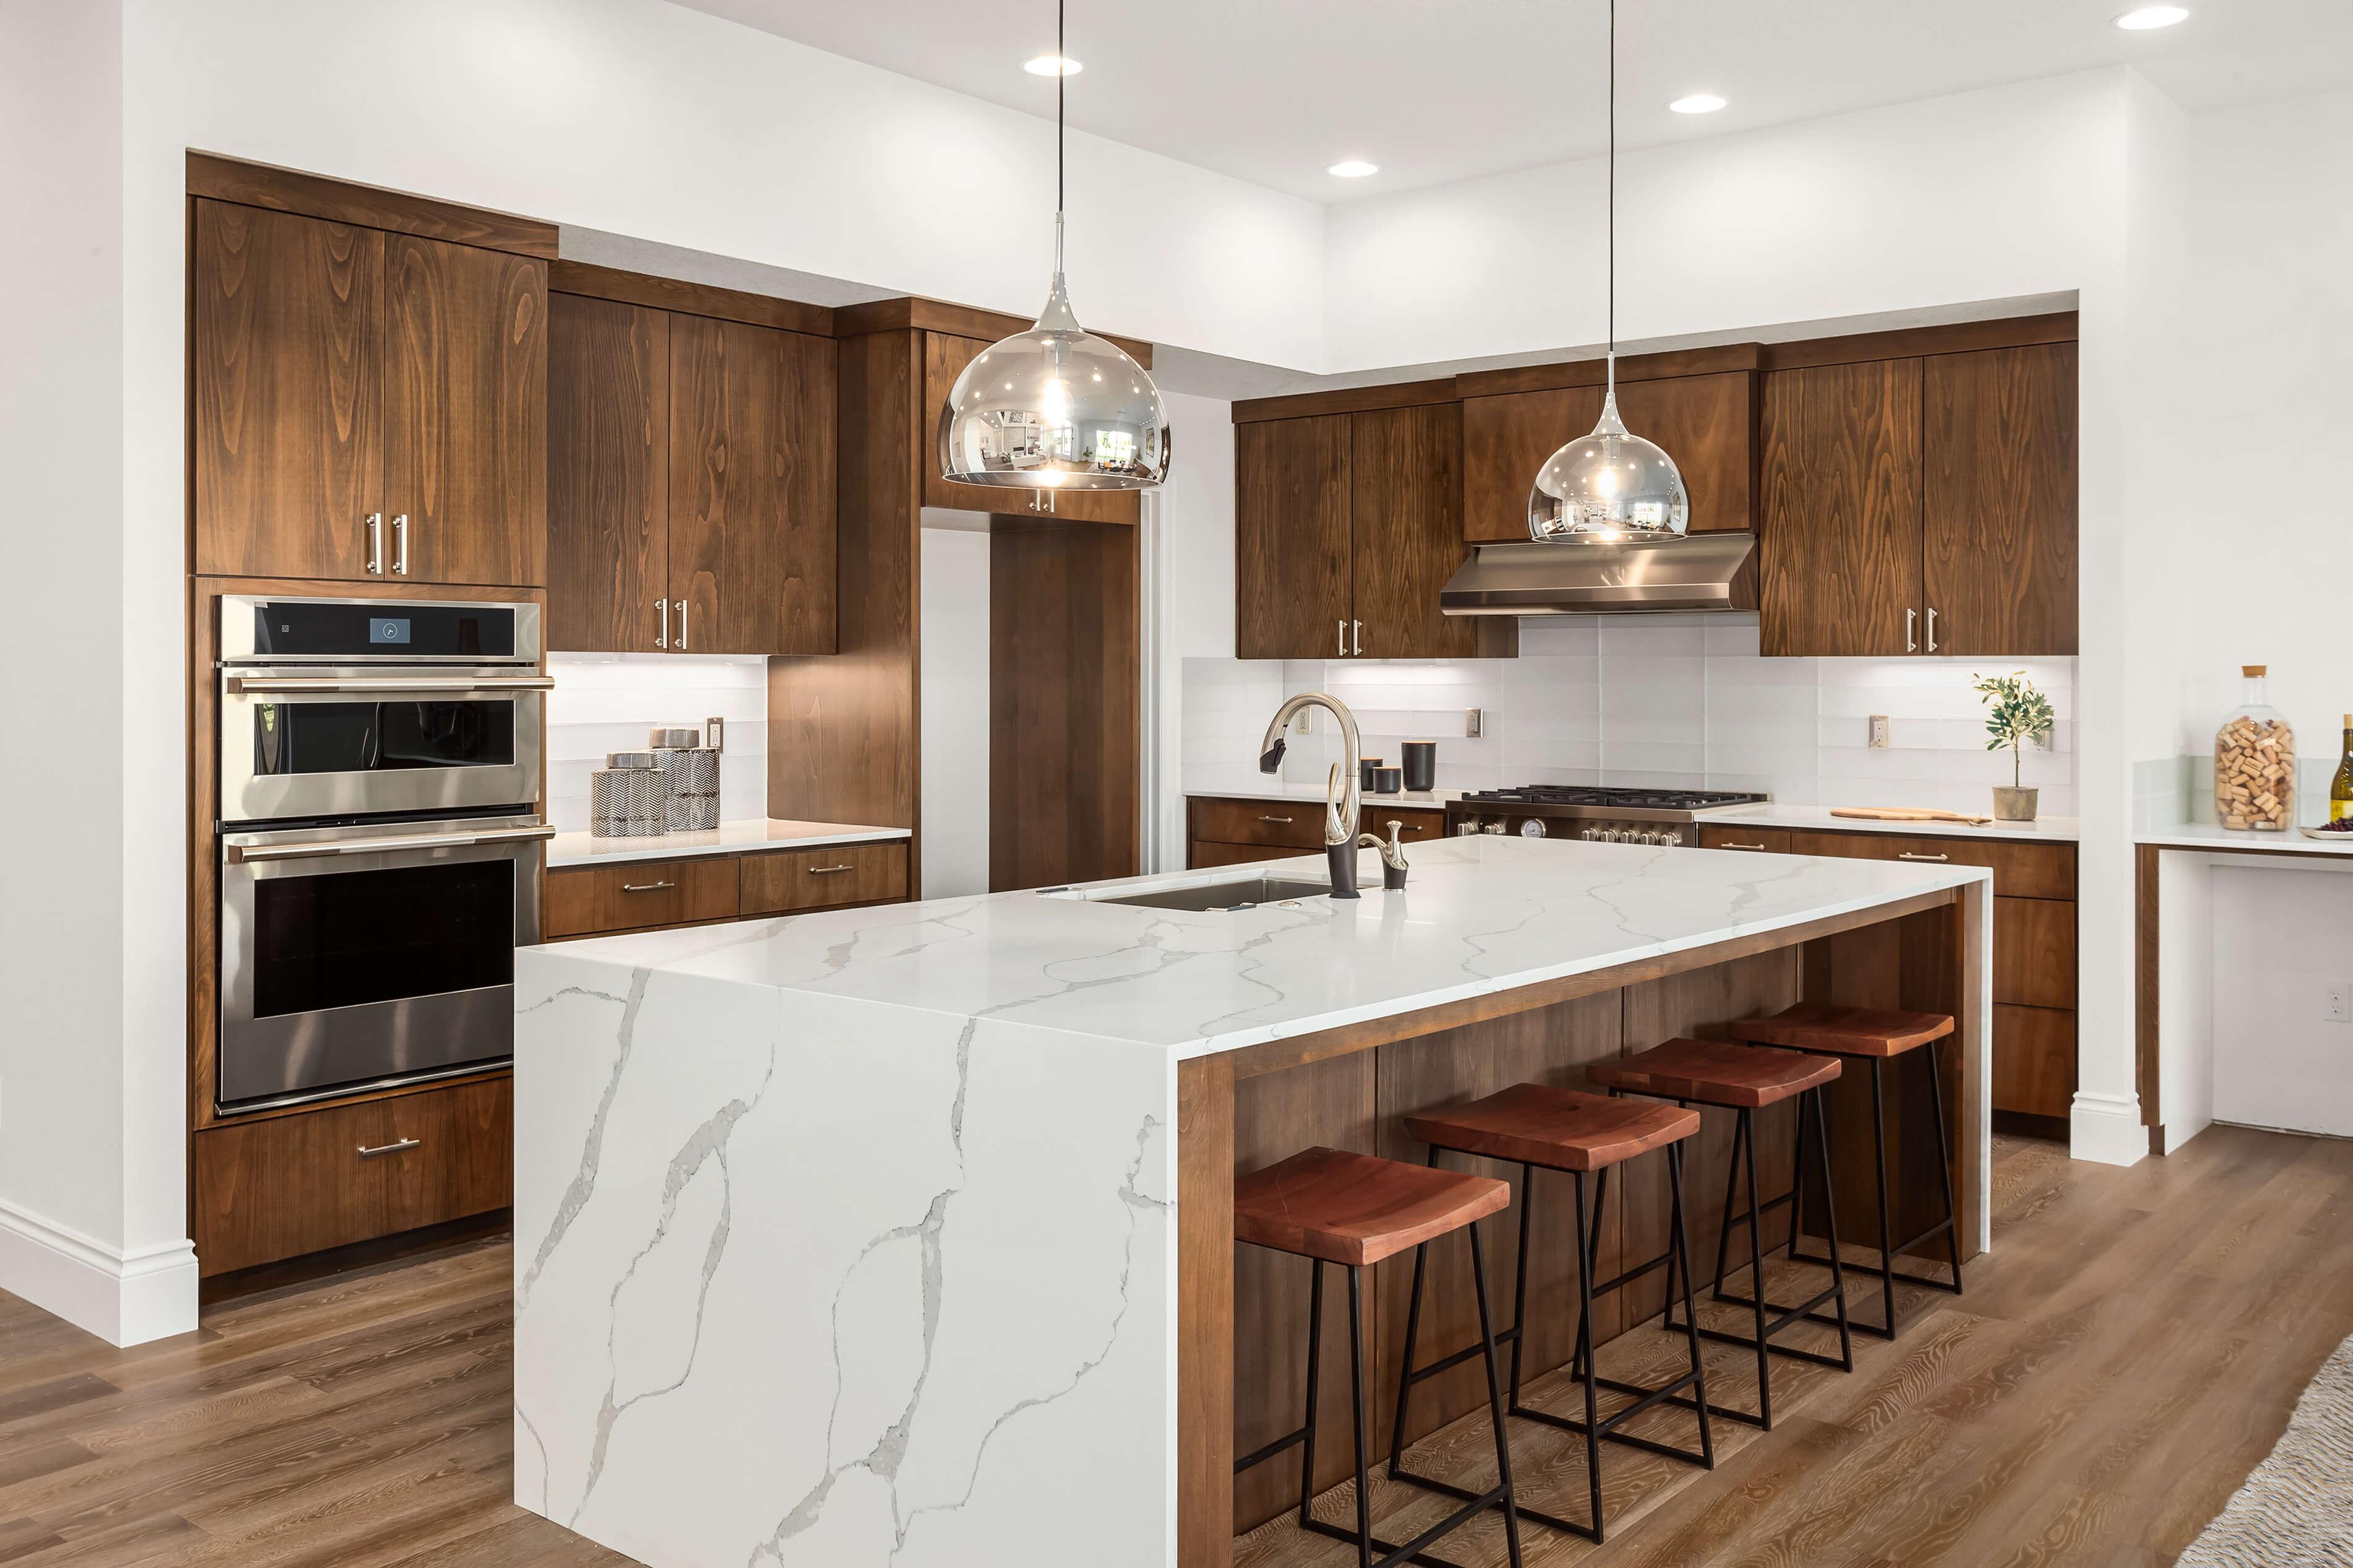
(1353, 169)
(1052, 65)
(1697, 103)
(2148, 16)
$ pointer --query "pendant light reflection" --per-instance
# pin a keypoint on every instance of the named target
(1611, 486)
(1055, 407)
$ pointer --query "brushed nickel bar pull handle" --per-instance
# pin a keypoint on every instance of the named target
(1357, 637)
(828, 870)
(1342, 633)
(375, 544)
(1274, 819)
(682, 626)
(293, 685)
(400, 544)
(1910, 619)
(1744, 846)
(662, 638)
(401, 1147)
(1932, 629)
(1907, 855)
(240, 854)
(645, 886)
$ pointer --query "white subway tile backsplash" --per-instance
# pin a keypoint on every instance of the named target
(607, 703)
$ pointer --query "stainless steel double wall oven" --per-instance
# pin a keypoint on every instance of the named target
(379, 839)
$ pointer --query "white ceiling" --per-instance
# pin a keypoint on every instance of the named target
(1273, 90)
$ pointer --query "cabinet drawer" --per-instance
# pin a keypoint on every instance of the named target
(1419, 827)
(1771, 840)
(821, 879)
(286, 1185)
(582, 900)
(2034, 952)
(2019, 870)
(1205, 854)
(1285, 823)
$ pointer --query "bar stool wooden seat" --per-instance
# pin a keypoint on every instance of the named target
(1745, 1080)
(1876, 1036)
(1536, 1125)
(1330, 1205)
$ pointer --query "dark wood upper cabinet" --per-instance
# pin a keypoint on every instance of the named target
(1997, 521)
(368, 406)
(693, 469)
(1841, 528)
(944, 357)
(607, 474)
(1405, 481)
(1707, 423)
(465, 413)
(1295, 588)
(286, 379)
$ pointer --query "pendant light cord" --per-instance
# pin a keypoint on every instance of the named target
(1613, 202)
(1062, 76)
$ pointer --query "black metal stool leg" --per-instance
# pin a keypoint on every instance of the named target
(1723, 1231)
(1584, 1353)
(1682, 1252)
(1887, 1226)
(1747, 1134)
(1315, 1380)
(1944, 1162)
(1589, 1254)
(1520, 1278)
(1356, 1402)
(1494, 1399)
(1406, 1379)
(1820, 1098)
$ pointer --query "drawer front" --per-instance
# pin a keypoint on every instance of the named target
(1285, 823)
(2019, 870)
(2033, 1060)
(1769, 840)
(286, 1185)
(582, 900)
(821, 879)
(1204, 855)
(1419, 827)
(1848, 845)
(2034, 952)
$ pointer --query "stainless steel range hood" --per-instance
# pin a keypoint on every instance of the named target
(1695, 572)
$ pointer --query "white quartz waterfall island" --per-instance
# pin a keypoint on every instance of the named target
(902, 1235)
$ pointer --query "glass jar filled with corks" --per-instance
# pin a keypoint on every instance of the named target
(2254, 763)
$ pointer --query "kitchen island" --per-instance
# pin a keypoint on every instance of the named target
(903, 1234)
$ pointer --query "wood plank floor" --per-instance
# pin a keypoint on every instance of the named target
(2126, 1354)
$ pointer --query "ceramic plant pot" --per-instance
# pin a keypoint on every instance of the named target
(2011, 804)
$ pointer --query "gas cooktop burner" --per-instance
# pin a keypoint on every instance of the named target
(1621, 799)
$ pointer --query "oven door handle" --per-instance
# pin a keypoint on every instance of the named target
(289, 685)
(240, 854)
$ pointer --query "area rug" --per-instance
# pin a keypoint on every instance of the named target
(2296, 1509)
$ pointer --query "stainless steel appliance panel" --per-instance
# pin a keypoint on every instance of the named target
(378, 631)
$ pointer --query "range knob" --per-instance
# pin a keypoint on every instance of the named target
(1494, 827)
(1590, 835)
(1671, 840)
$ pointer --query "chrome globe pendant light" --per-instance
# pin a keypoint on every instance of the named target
(1055, 407)
(1612, 485)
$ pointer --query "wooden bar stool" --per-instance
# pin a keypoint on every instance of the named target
(1875, 1035)
(1332, 1207)
(1745, 1080)
(1535, 1125)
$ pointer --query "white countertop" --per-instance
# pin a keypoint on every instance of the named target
(2211, 836)
(1482, 915)
(1818, 819)
(742, 837)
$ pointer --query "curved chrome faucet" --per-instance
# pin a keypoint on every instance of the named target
(1340, 797)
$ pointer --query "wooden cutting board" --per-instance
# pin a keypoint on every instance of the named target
(1906, 814)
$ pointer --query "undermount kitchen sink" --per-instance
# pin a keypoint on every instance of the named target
(1239, 893)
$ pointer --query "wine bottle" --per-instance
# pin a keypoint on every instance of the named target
(2340, 788)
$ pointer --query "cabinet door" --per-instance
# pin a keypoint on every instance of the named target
(1406, 487)
(1505, 439)
(1998, 515)
(607, 474)
(285, 380)
(945, 357)
(1841, 525)
(1293, 574)
(752, 488)
(1707, 423)
(465, 441)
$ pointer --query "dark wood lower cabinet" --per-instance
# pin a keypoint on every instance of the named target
(585, 900)
(820, 879)
(284, 1186)
(1224, 832)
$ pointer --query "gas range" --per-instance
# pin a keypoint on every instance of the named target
(1589, 812)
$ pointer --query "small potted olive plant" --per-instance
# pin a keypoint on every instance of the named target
(2020, 714)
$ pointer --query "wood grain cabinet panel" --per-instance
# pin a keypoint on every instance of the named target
(944, 357)
(608, 475)
(2034, 952)
(1505, 439)
(1840, 535)
(584, 900)
(1293, 556)
(1205, 855)
(285, 382)
(463, 1160)
(823, 877)
(2033, 1060)
(2019, 870)
(1405, 466)
(465, 413)
(1707, 423)
(1766, 840)
(1275, 823)
(1999, 505)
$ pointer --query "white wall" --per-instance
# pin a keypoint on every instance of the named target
(954, 604)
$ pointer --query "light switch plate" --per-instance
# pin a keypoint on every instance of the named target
(1879, 732)
(2334, 1009)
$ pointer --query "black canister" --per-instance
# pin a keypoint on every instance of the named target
(1385, 781)
(1420, 765)
(1364, 769)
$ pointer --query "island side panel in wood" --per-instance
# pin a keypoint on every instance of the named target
(1840, 531)
(1404, 468)
(284, 393)
(1552, 1046)
(1998, 506)
(1065, 736)
(1293, 590)
(1205, 1312)
(1331, 1104)
(608, 475)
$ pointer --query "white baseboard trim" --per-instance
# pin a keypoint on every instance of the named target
(123, 1298)
(2106, 1129)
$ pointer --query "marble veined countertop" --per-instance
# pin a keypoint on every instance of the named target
(1480, 915)
(746, 836)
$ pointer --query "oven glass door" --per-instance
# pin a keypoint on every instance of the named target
(327, 748)
(340, 969)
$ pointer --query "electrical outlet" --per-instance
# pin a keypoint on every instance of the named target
(1879, 732)
(2335, 1010)
(1471, 723)
(1304, 722)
